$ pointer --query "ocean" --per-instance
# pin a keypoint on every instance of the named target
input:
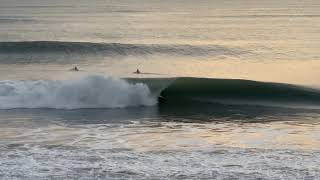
(226, 89)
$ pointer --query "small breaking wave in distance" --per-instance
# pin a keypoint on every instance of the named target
(88, 92)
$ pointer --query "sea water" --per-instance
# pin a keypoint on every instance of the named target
(237, 80)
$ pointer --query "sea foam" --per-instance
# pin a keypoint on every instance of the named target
(88, 92)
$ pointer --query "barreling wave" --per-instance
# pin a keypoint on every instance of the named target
(186, 91)
(107, 92)
(87, 92)
(115, 48)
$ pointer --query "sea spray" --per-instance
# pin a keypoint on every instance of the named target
(88, 92)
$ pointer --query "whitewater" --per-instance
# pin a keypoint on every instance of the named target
(87, 92)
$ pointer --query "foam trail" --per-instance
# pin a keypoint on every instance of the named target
(88, 92)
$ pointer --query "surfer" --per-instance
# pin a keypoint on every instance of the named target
(137, 71)
(75, 68)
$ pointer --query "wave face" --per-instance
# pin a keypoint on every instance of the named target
(88, 92)
(115, 48)
(183, 91)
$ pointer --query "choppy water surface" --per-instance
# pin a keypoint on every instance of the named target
(153, 143)
(164, 141)
(228, 89)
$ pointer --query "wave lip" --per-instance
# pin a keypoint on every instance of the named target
(88, 92)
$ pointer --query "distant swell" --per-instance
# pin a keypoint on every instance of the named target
(88, 92)
(115, 48)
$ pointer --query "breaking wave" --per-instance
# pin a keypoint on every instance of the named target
(108, 92)
(87, 92)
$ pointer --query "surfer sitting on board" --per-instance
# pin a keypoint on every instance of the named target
(75, 68)
(137, 71)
